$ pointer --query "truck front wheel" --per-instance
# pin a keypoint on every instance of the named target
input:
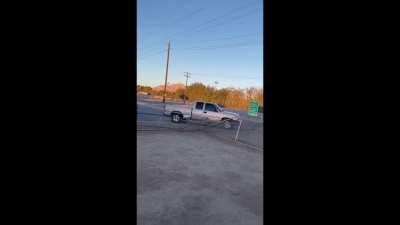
(227, 123)
(176, 118)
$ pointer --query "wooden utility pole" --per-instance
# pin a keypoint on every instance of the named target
(166, 72)
(184, 95)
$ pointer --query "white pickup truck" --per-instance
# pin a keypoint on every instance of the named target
(200, 111)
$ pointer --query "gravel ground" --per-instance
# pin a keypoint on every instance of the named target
(190, 178)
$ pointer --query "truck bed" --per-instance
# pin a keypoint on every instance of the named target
(185, 110)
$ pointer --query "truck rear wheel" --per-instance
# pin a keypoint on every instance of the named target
(176, 118)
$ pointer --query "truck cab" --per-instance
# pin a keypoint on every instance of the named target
(206, 110)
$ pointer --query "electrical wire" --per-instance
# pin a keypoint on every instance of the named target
(229, 21)
(222, 76)
(218, 46)
(177, 21)
(240, 8)
(213, 47)
(229, 37)
(172, 37)
(222, 38)
(156, 53)
(218, 39)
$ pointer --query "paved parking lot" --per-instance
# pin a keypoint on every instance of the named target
(156, 104)
(190, 178)
(150, 116)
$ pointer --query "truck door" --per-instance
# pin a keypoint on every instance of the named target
(198, 111)
(211, 111)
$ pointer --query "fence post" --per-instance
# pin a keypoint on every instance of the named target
(160, 119)
(237, 132)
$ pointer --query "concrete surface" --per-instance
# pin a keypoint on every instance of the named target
(189, 178)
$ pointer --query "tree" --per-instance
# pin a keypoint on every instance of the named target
(143, 88)
(196, 91)
(227, 97)
(250, 93)
(180, 94)
(221, 97)
(259, 96)
(236, 99)
(209, 94)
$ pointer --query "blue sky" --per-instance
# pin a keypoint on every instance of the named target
(215, 40)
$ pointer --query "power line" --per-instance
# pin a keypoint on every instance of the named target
(153, 47)
(157, 53)
(229, 21)
(223, 76)
(214, 19)
(181, 19)
(212, 26)
(212, 47)
(230, 37)
(222, 38)
(183, 5)
(240, 8)
(217, 46)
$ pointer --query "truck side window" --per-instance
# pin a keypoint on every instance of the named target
(199, 105)
(210, 107)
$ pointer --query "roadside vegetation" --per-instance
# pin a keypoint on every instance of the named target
(233, 98)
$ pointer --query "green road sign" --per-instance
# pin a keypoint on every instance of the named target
(252, 109)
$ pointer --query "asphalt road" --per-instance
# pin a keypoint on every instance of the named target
(197, 177)
(147, 105)
(191, 178)
(150, 115)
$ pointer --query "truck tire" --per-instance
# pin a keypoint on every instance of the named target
(227, 123)
(175, 118)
